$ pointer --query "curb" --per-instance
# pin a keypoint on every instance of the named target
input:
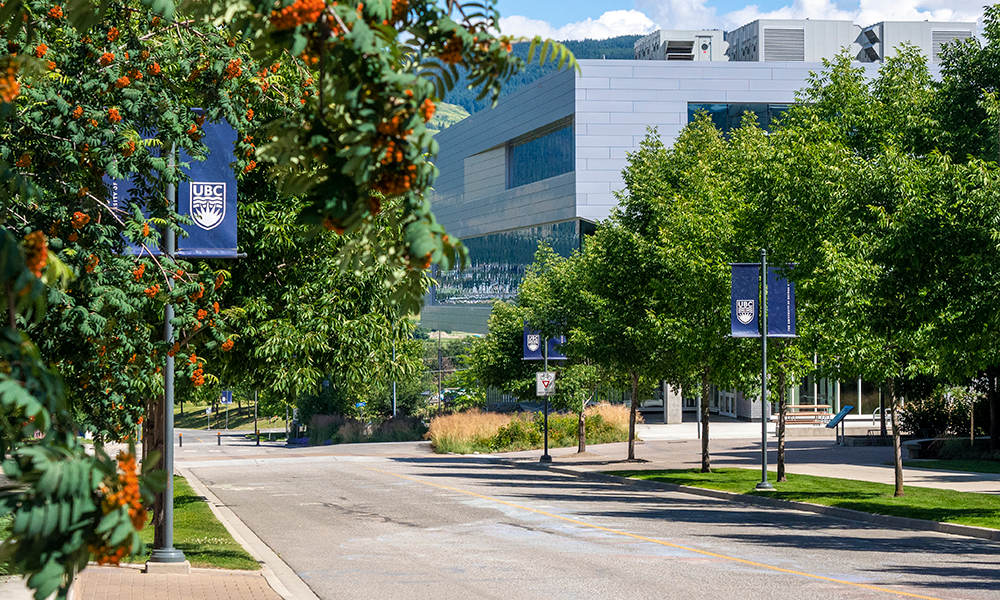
(282, 579)
(830, 511)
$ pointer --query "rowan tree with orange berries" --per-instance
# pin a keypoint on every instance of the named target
(92, 92)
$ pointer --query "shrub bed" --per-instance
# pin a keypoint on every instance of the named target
(478, 431)
(338, 429)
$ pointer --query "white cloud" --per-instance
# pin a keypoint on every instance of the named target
(610, 24)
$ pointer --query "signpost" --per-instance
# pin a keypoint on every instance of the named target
(748, 297)
(838, 419)
(535, 348)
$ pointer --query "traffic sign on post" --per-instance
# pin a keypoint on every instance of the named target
(545, 383)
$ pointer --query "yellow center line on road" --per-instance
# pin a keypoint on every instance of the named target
(660, 542)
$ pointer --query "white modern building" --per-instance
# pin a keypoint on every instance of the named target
(546, 162)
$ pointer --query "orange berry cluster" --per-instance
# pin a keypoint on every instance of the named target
(201, 314)
(113, 34)
(113, 115)
(129, 149)
(139, 271)
(152, 291)
(40, 50)
(56, 12)
(215, 307)
(198, 377)
(9, 86)
(24, 162)
(92, 263)
(107, 58)
(399, 9)
(79, 220)
(227, 345)
(173, 351)
(36, 252)
(250, 114)
(77, 112)
(233, 69)
(219, 279)
(250, 166)
(145, 230)
(122, 82)
(154, 69)
(452, 53)
(197, 295)
(123, 490)
(395, 184)
(302, 11)
(427, 110)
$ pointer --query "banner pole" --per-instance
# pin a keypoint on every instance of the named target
(168, 554)
(764, 484)
(545, 457)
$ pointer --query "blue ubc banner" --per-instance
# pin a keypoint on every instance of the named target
(532, 343)
(209, 198)
(744, 300)
(780, 305)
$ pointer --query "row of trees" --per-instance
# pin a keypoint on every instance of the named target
(882, 195)
(330, 102)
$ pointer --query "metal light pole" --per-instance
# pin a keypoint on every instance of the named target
(168, 554)
(255, 427)
(764, 484)
(394, 380)
(545, 435)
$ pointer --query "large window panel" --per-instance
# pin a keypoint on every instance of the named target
(727, 117)
(545, 154)
(498, 262)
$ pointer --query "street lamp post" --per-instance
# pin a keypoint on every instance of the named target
(764, 483)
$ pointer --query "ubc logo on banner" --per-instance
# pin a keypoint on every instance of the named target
(208, 204)
(744, 311)
(532, 342)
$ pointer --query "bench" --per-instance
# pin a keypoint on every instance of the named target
(808, 414)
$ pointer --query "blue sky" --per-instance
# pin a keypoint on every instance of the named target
(577, 19)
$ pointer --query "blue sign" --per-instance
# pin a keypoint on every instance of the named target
(209, 198)
(359, 405)
(226, 397)
(532, 345)
(745, 300)
(780, 305)
(839, 417)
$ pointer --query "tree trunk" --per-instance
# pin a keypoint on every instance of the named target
(632, 415)
(706, 463)
(881, 405)
(994, 399)
(154, 442)
(782, 411)
(897, 450)
(581, 433)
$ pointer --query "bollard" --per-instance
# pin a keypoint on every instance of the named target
(180, 440)
(219, 438)
(258, 437)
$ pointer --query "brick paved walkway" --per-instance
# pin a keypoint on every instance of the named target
(127, 583)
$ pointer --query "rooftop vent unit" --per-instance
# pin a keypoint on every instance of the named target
(940, 37)
(680, 50)
(784, 44)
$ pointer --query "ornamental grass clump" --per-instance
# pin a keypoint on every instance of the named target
(465, 432)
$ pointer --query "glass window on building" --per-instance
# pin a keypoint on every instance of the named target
(498, 262)
(727, 117)
(542, 154)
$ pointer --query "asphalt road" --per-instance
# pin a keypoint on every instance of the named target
(379, 526)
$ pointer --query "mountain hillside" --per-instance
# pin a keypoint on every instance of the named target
(445, 115)
(621, 47)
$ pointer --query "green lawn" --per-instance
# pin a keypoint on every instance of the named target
(967, 466)
(194, 417)
(982, 510)
(199, 535)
